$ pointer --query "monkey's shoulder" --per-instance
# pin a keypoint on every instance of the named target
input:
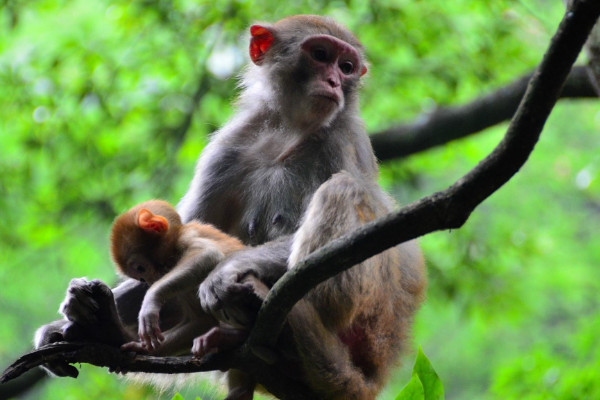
(198, 236)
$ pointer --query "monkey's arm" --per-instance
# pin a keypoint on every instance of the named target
(185, 276)
(229, 296)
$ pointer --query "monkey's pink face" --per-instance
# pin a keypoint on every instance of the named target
(335, 62)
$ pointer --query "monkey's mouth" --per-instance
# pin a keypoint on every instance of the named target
(328, 96)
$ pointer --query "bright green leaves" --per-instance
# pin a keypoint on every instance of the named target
(425, 383)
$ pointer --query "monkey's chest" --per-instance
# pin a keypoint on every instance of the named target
(273, 196)
(269, 192)
(273, 199)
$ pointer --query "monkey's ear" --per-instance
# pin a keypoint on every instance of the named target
(151, 222)
(363, 70)
(261, 41)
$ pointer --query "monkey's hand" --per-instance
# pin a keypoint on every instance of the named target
(231, 294)
(234, 290)
(148, 327)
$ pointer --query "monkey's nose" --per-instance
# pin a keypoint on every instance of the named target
(333, 82)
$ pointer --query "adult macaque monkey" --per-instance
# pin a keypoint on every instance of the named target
(294, 169)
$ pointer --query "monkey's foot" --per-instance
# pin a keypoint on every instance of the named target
(218, 339)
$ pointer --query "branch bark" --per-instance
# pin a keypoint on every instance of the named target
(450, 123)
(102, 355)
(443, 210)
(26, 382)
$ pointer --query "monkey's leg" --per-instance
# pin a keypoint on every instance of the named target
(241, 386)
(336, 351)
(52, 333)
(91, 307)
(326, 362)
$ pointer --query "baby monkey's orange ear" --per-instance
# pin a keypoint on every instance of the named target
(151, 222)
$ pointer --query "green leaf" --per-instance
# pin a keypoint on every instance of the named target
(413, 390)
(432, 385)
(177, 397)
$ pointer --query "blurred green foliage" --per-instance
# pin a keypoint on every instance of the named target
(105, 104)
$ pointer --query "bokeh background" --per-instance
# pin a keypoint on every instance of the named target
(104, 104)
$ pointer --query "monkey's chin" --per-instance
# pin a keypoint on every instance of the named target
(324, 109)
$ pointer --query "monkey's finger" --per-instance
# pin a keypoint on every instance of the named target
(158, 334)
(209, 299)
(79, 304)
(145, 340)
(80, 288)
(81, 310)
(202, 347)
(102, 293)
(197, 348)
(79, 283)
(155, 342)
(234, 292)
(204, 300)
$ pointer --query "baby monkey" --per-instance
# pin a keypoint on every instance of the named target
(151, 244)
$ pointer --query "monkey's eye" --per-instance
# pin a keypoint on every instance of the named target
(319, 54)
(346, 67)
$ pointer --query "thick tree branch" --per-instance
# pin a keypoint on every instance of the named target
(443, 210)
(450, 123)
(103, 355)
(26, 382)
(447, 209)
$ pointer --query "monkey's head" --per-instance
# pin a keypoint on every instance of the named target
(143, 241)
(310, 67)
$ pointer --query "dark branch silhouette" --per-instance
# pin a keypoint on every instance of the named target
(450, 123)
(443, 210)
(114, 359)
